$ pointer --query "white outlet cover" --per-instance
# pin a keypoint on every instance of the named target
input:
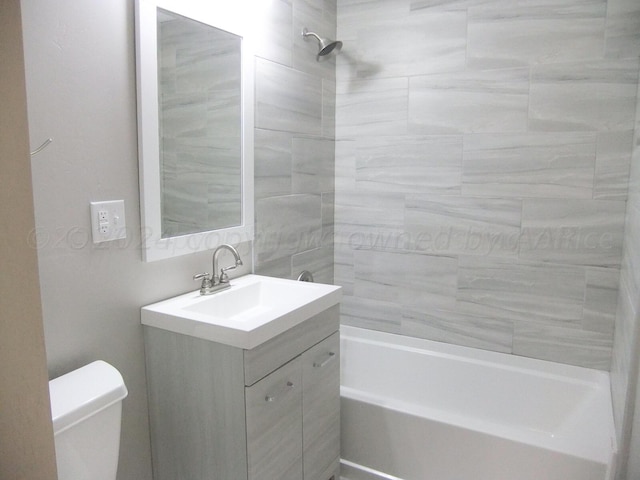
(112, 226)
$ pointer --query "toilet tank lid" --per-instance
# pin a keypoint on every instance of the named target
(84, 392)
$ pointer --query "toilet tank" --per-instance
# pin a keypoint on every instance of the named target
(86, 407)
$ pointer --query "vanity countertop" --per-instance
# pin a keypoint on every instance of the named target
(255, 309)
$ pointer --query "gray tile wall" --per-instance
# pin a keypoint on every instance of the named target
(294, 142)
(482, 159)
(625, 365)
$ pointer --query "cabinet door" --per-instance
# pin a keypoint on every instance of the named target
(321, 407)
(274, 425)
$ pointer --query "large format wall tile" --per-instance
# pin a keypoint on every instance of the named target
(408, 279)
(564, 345)
(458, 328)
(357, 14)
(487, 142)
(288, 225)
(370, 220)
(276, 42)
(287, 99)
(525, 292)
(329, 108)
(462, 225)
(580, 232)
(587, 96)
(371, 107)
(469, 102)
(313, 165)
(529, 165)
(418, 44)
(371, 313)
(318, 261)
(446, 5)
(507, 34)
(601, 299)
(613, 161)
(623, 28)
(272, 163)
(409, 164)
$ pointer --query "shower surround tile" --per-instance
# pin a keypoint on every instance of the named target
(586, 96)
(343, 262)
(458, 328)
(345, 172)
(601, 299)
(408, 279)
(579, 232)
(371, 107)
(462, 226)
(625, 354)
(357, 14)
(487, 101)
(623, 29)
(524, 292)
(276, 24)
(329, 108)
(313, 165)
(564, 345)
(613, 161)
(272, 163)
(437, 43)
(409, 164)
(510, 34)
(631, 258)
(529, 165)
(370, 313)
(446, 5)
(328, 216)
(318, 261)
(287, 100)
(510, 165)
(288, 225)
(370, 220)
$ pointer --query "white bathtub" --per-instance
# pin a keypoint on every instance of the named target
(415, 409)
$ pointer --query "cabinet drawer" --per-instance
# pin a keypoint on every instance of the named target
(321, 407)
(266, 358)
(274, 425)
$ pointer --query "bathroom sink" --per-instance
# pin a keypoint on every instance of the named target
(255, 309)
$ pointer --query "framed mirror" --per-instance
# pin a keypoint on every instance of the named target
(195, 82)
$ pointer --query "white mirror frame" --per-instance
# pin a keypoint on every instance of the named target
(223, 17)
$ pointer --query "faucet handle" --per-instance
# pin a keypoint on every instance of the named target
(205, 277)
(224, 278)
(207, 282)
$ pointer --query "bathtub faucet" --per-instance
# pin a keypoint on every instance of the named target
(214, 283)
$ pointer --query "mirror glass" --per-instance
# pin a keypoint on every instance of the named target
(195, 112)
(199, 109)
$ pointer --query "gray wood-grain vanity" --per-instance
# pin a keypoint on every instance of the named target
(225, 413)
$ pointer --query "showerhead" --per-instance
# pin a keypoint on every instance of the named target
(326, 46)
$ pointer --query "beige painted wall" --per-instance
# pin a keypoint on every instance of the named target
(81, 91)
(26, 434)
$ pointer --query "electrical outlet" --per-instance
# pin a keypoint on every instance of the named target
(107, 221)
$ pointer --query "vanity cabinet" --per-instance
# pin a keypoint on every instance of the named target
(223, 413)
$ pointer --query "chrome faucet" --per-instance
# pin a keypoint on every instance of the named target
(214, 283)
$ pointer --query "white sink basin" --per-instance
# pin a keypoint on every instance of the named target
(254, 310)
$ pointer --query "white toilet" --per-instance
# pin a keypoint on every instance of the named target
(86, 407)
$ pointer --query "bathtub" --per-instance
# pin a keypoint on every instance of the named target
(414, 409)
